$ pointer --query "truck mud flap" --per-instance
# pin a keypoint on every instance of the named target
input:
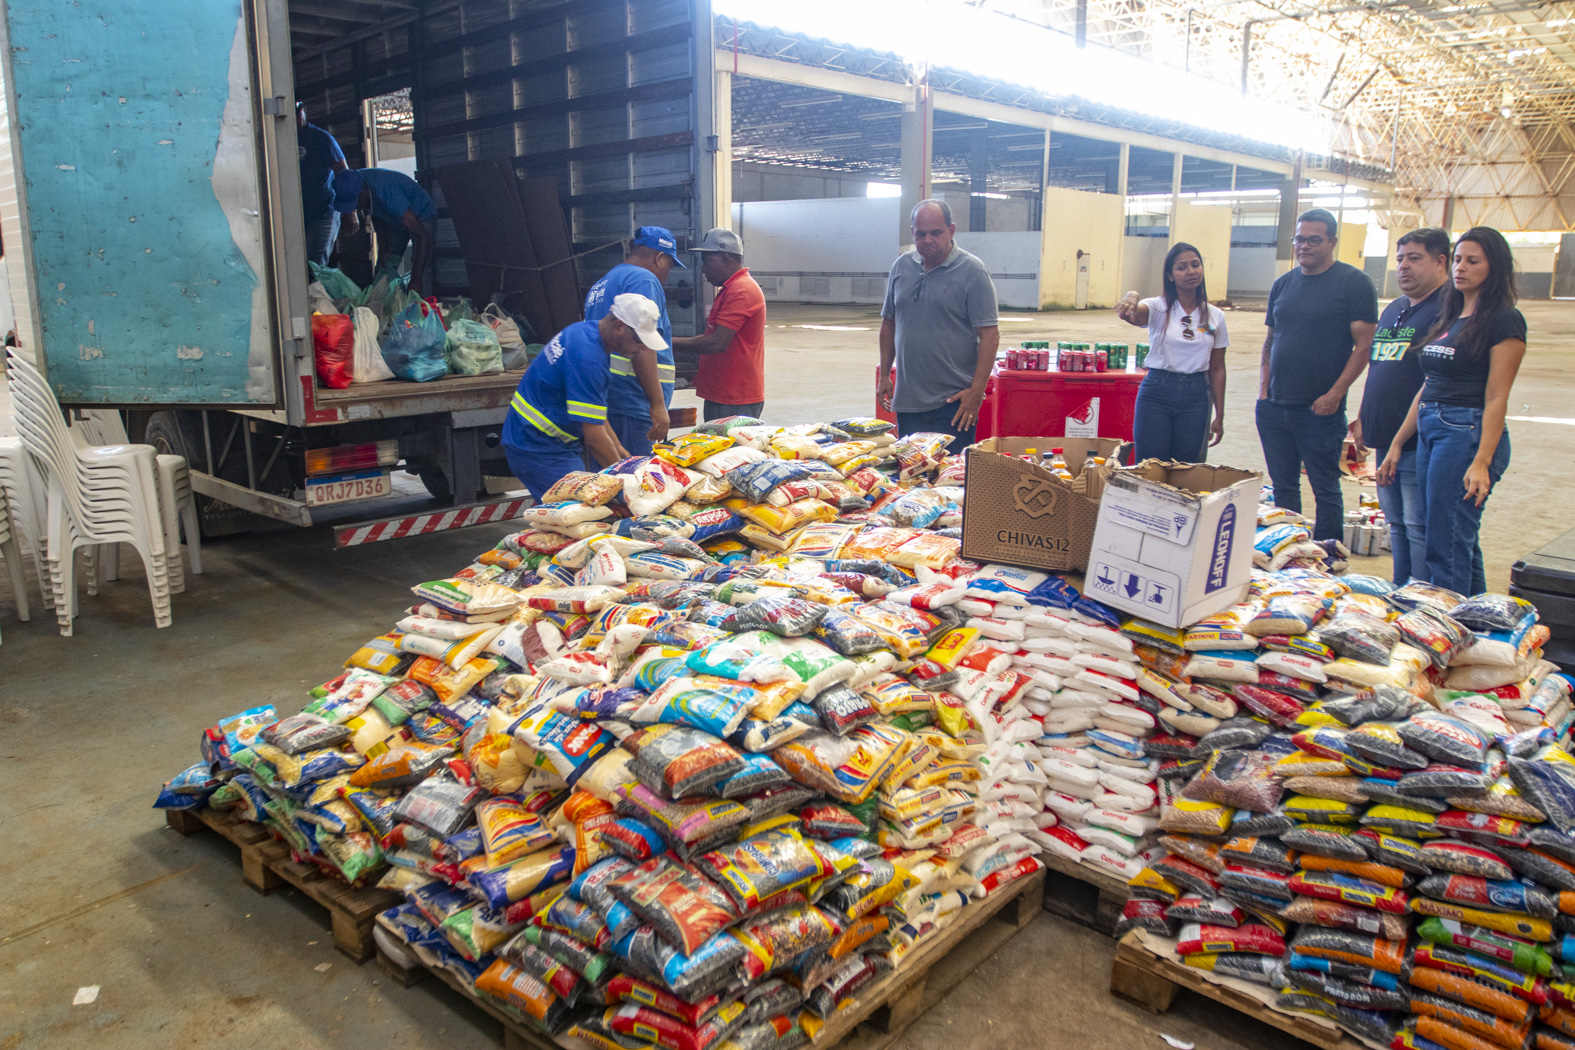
(365, 532)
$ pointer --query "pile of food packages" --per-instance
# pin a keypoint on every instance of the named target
(725, 734)
(1366, 804)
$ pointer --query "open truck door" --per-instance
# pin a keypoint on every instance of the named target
(145, 244)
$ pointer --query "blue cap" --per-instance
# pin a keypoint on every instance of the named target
(660, 238)
(347, 189)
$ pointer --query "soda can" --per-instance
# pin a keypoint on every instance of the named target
(1044, 360)
(1101, 360)
(1011, 359)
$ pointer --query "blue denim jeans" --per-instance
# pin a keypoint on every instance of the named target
(1172, 416)
(937, 421)
(1402, 507)
(320, 235)
(1293, 436)
(1447, 440)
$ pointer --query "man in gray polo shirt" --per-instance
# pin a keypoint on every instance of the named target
(939, 325)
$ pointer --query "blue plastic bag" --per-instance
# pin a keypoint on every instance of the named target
(414, 349)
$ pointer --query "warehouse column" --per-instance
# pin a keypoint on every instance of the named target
(1123, 168)
(978, 179)
(1290, 191)
(722, 150)
(918, 137)
(1175, 193)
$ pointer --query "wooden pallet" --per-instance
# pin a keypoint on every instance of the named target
(1082, 893)
(1153, 980)
(266, 866)
(875, 1018)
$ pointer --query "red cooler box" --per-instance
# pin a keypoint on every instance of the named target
(1074, 404)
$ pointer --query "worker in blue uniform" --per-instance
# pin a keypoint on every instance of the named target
(559, 411)
(641, 389)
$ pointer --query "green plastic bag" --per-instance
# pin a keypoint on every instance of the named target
(472, 348)
(340, 288)
(461, 312)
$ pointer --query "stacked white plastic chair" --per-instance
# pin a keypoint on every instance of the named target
(26, 495)
(177, 505)
(13, 560)
(96, 495)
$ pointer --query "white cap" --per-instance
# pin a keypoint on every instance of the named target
(639, 313)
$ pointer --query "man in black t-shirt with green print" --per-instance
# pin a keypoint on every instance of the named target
(1321, 319)
(1393, 378)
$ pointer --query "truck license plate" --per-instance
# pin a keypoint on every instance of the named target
(342, 488)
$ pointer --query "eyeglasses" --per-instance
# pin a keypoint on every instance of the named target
(1311, 242)
(1186, 326)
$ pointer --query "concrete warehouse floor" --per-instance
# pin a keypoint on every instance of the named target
(99, 892)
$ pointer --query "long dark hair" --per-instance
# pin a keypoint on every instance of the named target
(1497, 293)
(1171, 295)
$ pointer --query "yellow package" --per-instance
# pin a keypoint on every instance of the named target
(912, 762)
(689, 449)
(764, 538)
(447, 682)
(370, 732)
(949, 771)
(795, 446)
(926, 549)
(1306, 764)
(784, 519)
(823, 540)
(1155, 883)
(381, 655)
(952, 646)
(1170, 639)
(858, 463)
(1516, 923)
(877, 543)
(843, 451)
(951, 715)
(891, 695)
(1192, 817)
(722, 547)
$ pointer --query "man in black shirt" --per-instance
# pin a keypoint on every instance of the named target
(1394, 377)
(1321, 319)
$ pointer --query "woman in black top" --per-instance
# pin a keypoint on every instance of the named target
(1469, 361)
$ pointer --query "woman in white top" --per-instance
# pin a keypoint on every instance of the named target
(1186, 363)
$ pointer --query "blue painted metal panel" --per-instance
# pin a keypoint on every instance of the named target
(136, 135)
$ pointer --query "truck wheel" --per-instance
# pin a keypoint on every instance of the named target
(163, 432)
(434, 479)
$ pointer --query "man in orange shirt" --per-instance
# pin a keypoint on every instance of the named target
(732, 377)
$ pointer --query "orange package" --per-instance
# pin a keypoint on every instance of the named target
(1446, 1034)
(1480, 1023)
(1454, 986)
(1379, 873)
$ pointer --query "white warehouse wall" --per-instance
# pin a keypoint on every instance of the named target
(840, 249)
(827, 250)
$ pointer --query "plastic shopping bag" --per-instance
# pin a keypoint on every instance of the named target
(333, 348)
(414, 347)
(340, 288)
(472, 348)
(369, 366)
(515, 356)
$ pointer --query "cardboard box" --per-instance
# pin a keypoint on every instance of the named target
(1017, 513)
(1174, 541)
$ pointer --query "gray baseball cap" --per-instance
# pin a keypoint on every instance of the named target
(720, 239)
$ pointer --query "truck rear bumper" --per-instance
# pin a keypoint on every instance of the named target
(357, 533)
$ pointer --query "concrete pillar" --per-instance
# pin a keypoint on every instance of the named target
(1175, 193)
(918, 143)
(1449, 215)
(1290, 191)
(722, 127)
(1123, 171)
(978, 179)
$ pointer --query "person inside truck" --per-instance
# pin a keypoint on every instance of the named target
(640, 390)
(403, 216)
(321, 158)
(559, 411)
